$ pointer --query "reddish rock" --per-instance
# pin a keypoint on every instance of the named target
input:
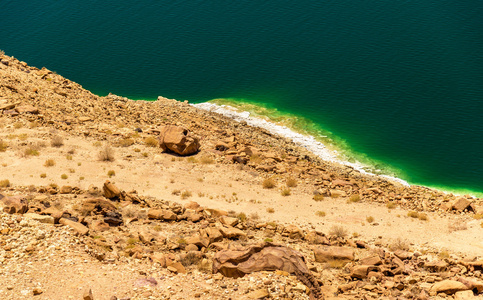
(228, 221)
(110, 190)
(449, 287)
(161, 214)
(177, 139)
(15, 204)
(460, 204)
(373, 260)
(318, 238)
(333, 253)
(231, 232)
(78, 227)
(98, 206)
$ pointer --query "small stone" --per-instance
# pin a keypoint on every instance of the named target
(88, 295)
(37, 291)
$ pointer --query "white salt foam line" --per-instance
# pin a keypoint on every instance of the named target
(306, 141)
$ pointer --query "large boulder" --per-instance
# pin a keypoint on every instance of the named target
(178, 140)
(14, 204)
(265, 257)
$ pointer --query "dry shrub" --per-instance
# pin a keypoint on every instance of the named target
(270, 210)
(370, 219)
(111, 173)
(399, 244)
(391, 205)
(412, 214)
(4, 183)
(291, 182)
(64, 176)
(338, 231)
(151, 141)
(43, 175)
(190, 259)
(285, 192)
(125, 142)
(318, 197)
(30, 151)
(354, 198)
(422, 217)
(18, 125)
(186, 194)
(57, 141)
(106, 154)
(254, 216)
(49, 163)
(320, 213)
(268, 183)
(3, 146)
(206, 160)
(176, 192)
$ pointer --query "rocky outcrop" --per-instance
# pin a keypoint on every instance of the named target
(264, 257)
(178, 140)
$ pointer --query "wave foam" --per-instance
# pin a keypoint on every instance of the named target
(306, 141)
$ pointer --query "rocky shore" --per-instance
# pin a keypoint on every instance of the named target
(109, 198)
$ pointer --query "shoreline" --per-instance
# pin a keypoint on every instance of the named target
(310, 143)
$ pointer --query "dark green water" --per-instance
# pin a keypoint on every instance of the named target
(395, 83)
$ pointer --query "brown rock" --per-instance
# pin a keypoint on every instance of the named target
(99, 225)
(191, 247)
(294, 232)
(78, 227)
(198, 240)
(28, 109)
(88, 295)
(362, 271)
(213, 234)
(373, 260)
(66, 189)
(110, 190)
(460, 204)
(436, 266)
(448, 286)
(191, 205)
(402, 254)
(318, 238)
(98, 206)
(37, 291)
(215, 212)
(464, 295)
(161, 214)
(258, 294)
(15, 204)
(333, 253)
(472, 284)
(229, 221)
(177, 139)
(231, 232)
(40, 218)
(176, 267)
(268, 257)
(159, 258)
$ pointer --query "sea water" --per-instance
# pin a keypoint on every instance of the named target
(396, 86)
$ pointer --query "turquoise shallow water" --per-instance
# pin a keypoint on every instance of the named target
(398, 84)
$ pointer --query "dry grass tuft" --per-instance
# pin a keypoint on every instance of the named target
(391, 205)
(186, 194)
(64, 176)
(151, 141)
(49, 163)
(413, 214)
(270, 210)
(3, 146)
(338, 231)
(318, 197)
(399, 244)
(291, 182)
(268, 183)
(30, 151)
(422, 217)
(320, 213)
(370, 219)
(206, 160)
(4, 183)
(125, 142)
(111, 173)
(106, 154)
(57, 141)
(354, 199)
(43, 175)
(285, 192)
